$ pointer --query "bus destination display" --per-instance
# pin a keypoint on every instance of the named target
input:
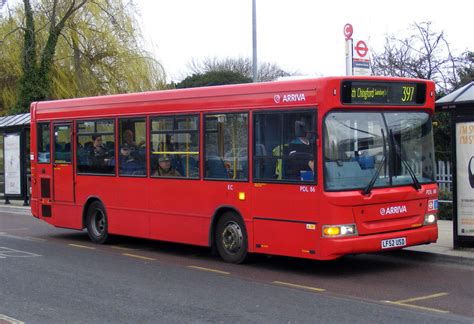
(382, 93)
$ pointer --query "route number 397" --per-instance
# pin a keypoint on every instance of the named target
(408, 93)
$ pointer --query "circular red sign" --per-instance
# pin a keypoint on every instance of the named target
(361, 48)
(348, 30)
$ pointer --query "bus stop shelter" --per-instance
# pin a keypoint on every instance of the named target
(15, 157)
(460, 104)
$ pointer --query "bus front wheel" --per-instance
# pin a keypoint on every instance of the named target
(231, 238)
(97, 225)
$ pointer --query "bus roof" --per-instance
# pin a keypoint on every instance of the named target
(137, 102)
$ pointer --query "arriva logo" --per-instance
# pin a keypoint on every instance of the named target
(393, 210)
(293, 97)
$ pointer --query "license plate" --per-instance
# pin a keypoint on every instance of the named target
(396, 242)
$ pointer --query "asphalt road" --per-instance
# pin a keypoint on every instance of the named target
(51, 275)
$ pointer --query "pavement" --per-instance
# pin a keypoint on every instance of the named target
(444, 245)
(442, 248)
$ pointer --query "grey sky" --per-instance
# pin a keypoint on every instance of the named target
(305, 36)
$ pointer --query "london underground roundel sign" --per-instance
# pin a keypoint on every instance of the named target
(361, 49)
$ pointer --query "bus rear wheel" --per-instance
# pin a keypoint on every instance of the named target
(231, 238)
(97, 225)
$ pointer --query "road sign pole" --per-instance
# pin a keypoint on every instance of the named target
(349, 56)
(348, 30)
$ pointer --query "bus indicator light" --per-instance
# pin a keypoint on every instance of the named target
(241, 195)
(331, 231)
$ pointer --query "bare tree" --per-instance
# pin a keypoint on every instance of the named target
(425, 54)
(266, 71)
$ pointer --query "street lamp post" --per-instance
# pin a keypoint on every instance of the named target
(254, 40)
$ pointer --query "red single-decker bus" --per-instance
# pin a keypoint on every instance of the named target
(315, 168)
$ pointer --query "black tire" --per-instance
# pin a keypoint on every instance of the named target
(97, 224)
(231, 238)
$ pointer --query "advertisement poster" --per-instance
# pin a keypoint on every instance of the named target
(465, 178)
(12, 164)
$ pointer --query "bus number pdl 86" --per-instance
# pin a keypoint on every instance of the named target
(408, 94)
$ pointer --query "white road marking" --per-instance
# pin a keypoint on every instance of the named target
(12, 253)
(210, 270)
(24, 238)
(9, 320)
(82, 246)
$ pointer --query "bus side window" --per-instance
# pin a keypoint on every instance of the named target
(43, 140)
(174, 146)
(132, 147)
(226, 146)
(95, 147)
(284, 146)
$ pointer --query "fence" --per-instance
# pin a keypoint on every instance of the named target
(444, 178)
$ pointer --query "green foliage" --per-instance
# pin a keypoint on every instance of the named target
(79, 48)
(213, 78)
(442, 135)
(466, 69)
(445, 210)
(10, 63)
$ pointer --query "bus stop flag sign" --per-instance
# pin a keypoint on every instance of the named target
(360, 58)
(348, 30)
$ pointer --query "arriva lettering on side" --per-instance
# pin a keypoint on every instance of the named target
(294, 97)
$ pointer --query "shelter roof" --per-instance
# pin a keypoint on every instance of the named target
(461, 97)
(15, 120)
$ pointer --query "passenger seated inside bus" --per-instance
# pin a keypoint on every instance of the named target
(216, 168)
(129, 164)
(99, 153)
(299, 164)
(164, 168)
(129, 139)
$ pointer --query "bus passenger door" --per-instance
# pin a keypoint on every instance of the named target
(63, 171)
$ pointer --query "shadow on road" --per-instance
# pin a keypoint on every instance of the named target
(352, 265)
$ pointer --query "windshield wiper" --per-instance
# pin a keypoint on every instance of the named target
(371, 184)
(416, 183)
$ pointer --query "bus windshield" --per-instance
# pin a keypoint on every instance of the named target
(377, 149)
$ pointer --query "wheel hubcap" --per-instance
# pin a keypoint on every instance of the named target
(98, 223)
(232, 238)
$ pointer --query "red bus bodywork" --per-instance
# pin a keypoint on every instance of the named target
(280, 219)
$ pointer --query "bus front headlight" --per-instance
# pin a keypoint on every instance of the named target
(430, 219)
